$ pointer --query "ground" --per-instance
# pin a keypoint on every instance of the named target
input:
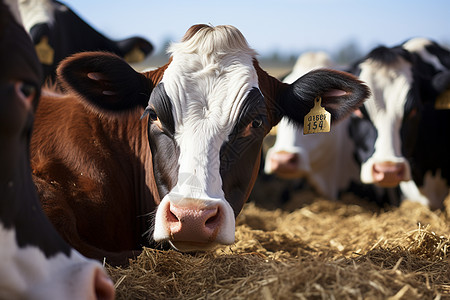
(311, 248)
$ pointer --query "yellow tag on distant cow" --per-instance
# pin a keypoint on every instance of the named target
(45, 52)
(443, 100)
(135, 55)
(318, 119)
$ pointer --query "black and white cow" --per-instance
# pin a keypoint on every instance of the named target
(58, 32)
(35, 262)
(324, 159)
(403, 138)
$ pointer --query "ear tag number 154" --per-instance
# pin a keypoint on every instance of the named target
(318, 119)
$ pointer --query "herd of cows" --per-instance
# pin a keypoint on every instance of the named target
(104, 160)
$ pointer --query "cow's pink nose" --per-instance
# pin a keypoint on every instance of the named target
(103, 286)
(194, 224)
(388, 174)
(285, 164)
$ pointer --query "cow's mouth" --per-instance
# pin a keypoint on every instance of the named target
(388, 174)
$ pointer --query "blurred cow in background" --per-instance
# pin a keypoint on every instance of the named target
(58, 32)
(35, 262)
(324, 159)
(406, 121)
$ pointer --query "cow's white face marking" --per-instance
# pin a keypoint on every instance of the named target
(36, 11)
(418, 45)
(26, 273)
(385, 107)
(207, 81)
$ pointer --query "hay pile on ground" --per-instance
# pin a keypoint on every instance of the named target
(321, 250)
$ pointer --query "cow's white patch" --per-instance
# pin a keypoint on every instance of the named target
(208, 79)
(385, 107)
(417, 45)
(36, 11)
(308, 62)
(435, 188)
(326, 160)
(25, 273)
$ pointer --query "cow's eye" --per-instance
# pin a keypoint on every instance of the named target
(27, 89)
(152, 115)
(257, 123)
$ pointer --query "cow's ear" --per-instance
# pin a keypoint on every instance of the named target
(105, 81)
(341, 94)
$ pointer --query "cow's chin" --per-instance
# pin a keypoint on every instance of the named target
(193, 246)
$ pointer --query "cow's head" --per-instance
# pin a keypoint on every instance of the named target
(58, 32)
(208, 111)
(20, 75)
(35, 261)
(403, 79)
(293, 153)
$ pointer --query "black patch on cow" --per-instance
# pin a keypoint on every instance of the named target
(298, 99)
(162, 106)
(432, 150)
(165, 151)
(70, 34)
(389, 56)
(441, 53)
(240, 154)
(364, 134)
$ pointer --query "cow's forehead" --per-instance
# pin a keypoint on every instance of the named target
(209, 76)
(215, 89)
(36, 11)
(390, 84)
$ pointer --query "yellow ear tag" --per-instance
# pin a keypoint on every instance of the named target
(135, 55)
(318, 119)
(44, 51)
(443, 100)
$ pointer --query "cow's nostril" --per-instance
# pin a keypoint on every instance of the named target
(171, 217)
(293, 159)
(213, 219)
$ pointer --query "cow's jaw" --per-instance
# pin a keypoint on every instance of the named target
(390, 85)
(206, 92)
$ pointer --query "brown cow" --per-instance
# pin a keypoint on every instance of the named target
(112, 182)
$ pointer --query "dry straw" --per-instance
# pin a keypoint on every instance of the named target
(320, 250)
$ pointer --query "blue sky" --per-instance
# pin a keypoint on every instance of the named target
(289, 26)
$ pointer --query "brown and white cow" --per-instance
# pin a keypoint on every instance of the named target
(112, 181)
(35, 262)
